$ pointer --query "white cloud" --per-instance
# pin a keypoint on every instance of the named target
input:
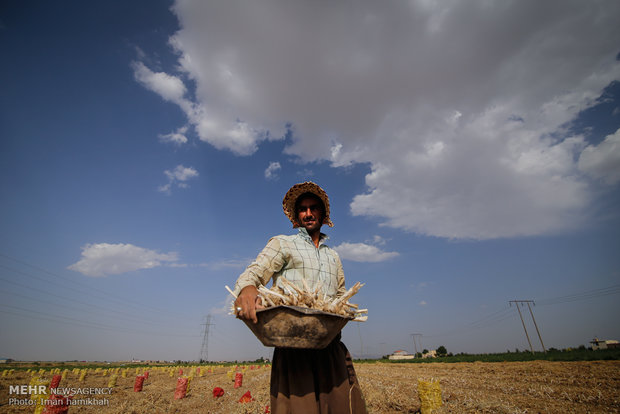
(178, 265)
(271, 172)
(227, 264)
(178, 137)
(460, 108)
(423, 303)
(165, 188)
(378, 240)
(221, 132)
(362, 252)
(224, 307)
(178, 176)
(603, 160)
(181, 173)
(169, 87)
(104, 259)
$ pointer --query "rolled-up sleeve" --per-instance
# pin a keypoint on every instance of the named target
(268, 262)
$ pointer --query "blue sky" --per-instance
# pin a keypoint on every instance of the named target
(471, 154)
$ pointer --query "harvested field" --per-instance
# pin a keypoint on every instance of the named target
(513, 387)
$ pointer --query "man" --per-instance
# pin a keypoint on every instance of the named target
(304, 380)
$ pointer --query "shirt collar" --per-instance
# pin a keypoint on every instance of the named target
(303, 233)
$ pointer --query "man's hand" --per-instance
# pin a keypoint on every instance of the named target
(248, 301)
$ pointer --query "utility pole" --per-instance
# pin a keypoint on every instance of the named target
(521, 302)
(415, 345)
(535, 325)
(204, 351)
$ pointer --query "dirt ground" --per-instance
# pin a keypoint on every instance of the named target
(512, 387)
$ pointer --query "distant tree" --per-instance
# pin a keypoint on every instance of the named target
(418, 354)
(425, 351)
(582, 347)
(442, 351)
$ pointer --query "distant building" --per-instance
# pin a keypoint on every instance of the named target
(401, 355)
(430, 354)
(598, 344)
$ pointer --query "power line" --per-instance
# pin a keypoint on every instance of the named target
(125, 302)
(589, 294)
(79, 322)
(204, 351)
(490, 320)
(528, 302)
(536, 326)
(505, 313)
(498, 315)
(125, 315)
(517, 302)
(87, 293)
(88, 290)
(415, 345)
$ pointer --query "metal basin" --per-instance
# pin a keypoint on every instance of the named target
(296, 327)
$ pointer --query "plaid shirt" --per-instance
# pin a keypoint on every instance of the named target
(296, 257)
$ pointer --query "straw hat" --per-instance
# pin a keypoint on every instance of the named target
(288, 204)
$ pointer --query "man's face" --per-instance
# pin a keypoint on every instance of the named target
(310, 214)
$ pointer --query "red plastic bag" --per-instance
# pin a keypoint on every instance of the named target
(137, 386)
(247, 397)
(181, 388)
(217, 392)
(55, 381)
(238, 379)
(57, 404)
